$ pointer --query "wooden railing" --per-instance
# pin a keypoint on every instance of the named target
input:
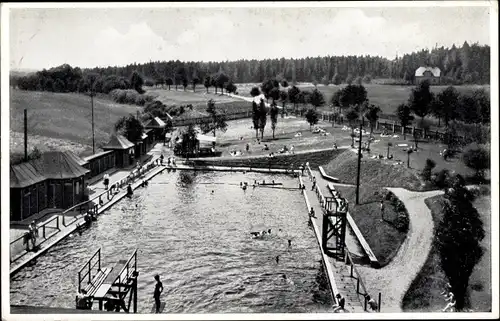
(93, 207)
(128, 270)
(360, 286)
(46, 230)
(88, 268)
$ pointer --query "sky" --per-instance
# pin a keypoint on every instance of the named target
(89, 37)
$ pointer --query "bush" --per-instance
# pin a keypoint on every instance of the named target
(441, 178)
(478, 159)
(427, 171)
(402, 223)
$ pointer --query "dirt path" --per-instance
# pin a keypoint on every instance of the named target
(394, 279)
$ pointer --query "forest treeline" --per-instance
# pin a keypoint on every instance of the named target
(468, 64)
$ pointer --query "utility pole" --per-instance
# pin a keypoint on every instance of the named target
(25, 135)
(92, 103)
(359, 158)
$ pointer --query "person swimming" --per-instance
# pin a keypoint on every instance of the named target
(212, 191)
(289, 243)
(269, 231)
(284, 278)
(244, 187)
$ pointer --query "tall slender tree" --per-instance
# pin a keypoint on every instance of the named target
(273, 113)
(405, 117)
(262, 117)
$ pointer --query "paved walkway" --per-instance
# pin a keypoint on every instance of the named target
(394, 279)
(344, 283)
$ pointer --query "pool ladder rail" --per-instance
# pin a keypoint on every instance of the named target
(109, 286)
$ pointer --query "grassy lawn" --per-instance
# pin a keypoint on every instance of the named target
(382, 237)
(374, 173)
(198, 99)
(64, 117)
(424, 292)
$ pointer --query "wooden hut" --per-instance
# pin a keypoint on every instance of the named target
(55, 180)
(124, 150)
(157, 127)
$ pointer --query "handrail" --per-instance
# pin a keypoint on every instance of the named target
(90, 267)
(42, 227)
(126, 268)
(135, 174)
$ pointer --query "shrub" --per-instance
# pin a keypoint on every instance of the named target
(402, 223)
(427, 171)
(478, 159)
(441, 178)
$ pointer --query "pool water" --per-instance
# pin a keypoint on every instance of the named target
(200, 244)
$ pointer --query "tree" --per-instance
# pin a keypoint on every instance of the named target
(446, 104)
(274, 94)
(169, 82)
(262, 117)
(420, 101)
(217, 120)
(317, 99)
(408, 152)
(353, 96)
(325, 81)
(336, 80)
(367, 79)
(221, 81)
(230, 87)
(136, 81)
(315, 83)
(336, 100)
(352, 115)
(130, 127)
(372, 116)
(293, 96)
(484, 105)
(185, 83)
(273, 113)
(427, 171)
(254, 92)
(189, 141)
(478, 159)
(405, 117)
(358, 81)
(284, 83)
(256, 118)
(268, 86)
(389, 145)
(312, 117)
(458, 239)
(207, 82)
(349, 79)
(195, 81)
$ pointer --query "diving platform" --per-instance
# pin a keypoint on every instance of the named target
(109, 287)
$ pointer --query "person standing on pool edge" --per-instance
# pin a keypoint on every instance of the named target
(158, 291)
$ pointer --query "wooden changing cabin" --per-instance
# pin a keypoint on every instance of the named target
(55, 180)
(124, 150)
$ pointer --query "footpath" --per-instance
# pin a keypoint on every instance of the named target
(340, 278)
(55, 225)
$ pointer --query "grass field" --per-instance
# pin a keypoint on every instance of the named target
(424, 292)
(198, 99)
(384, 239)
(63, 118)
(388, 97)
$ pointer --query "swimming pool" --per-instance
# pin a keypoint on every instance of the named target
(199, 242)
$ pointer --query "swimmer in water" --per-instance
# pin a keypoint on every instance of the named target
(269, 231)
(212, 191)
(278, 260)
(287, 280)
(289, 243)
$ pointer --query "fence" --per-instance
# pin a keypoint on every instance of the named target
(200, 120)
(360, 286)
(89, 267)
(44, 231)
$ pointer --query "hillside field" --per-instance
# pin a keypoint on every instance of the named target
(198, 99)
(388, 97)
(63, 117)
